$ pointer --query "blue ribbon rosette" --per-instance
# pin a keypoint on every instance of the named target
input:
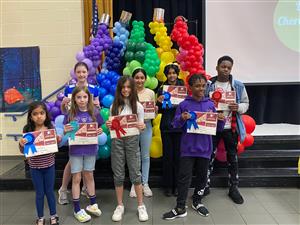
(30, 144)
(167, 100)
(75, 125)
(192, 121)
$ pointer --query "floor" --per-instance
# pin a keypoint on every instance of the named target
(268, 129)
(262, 206)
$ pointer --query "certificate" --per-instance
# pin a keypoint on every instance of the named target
(40, 143)
(227, 98)
(206, 123)
(149, 109)
(124, 126)
(178, 93)
(86, 135)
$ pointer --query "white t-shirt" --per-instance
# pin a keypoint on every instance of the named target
(127, 110)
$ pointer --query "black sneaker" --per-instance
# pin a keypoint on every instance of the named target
(235, 195)
(206, 191)
(200, 208)
(175, 213)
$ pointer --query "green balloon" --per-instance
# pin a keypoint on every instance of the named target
(141, 46)
(147, 82)
(130, 46)
(103, 152)
(153, 83)
(126, 71)
(104, 112)
(105, 129)
(139, 56)
(133, 65)
(108, 142)
(129, 56)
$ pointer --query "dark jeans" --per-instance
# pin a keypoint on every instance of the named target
(230, 142)
(43, 182)
(171, 153)
(185, 178)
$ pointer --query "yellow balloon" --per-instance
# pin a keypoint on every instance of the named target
(167, 57)
(175, 52)
(159, 51)
(156, 147)
(157, 120)
(156, 131)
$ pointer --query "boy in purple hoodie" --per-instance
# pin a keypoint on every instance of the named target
(194, 149)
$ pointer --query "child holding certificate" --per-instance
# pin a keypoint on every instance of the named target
(83, 157)
(169, 135)
(81, 72)
(147, 98)
(126, 149)
(42, 167)
(195, 148)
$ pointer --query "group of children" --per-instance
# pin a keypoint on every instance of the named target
(181, 150)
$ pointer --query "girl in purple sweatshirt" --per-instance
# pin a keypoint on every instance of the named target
(195, 149)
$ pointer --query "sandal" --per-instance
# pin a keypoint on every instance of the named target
(54, 220)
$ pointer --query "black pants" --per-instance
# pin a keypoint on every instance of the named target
(230, 142)
(171, 152)
(185, 178)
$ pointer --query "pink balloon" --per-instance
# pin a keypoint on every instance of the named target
(221, 152)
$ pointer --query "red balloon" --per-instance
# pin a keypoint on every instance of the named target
(249, 123)
(240, 148)
(249, 140)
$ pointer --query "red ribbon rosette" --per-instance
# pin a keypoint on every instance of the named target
(116, 126)
(216, 97)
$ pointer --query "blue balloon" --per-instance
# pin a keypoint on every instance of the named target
(100, 77)
(103, 152)
(107, 100)
(110, 74)
(59, 131)
(101, 92)
(102, 138)
(115, 78)
(64, 141)
(113, 89)
(59, 120)
(106, 84)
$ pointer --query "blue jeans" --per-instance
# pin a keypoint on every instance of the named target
(43, 182)
(145, 142)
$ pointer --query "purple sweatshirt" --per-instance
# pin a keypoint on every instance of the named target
(84, 117)
(195, 145)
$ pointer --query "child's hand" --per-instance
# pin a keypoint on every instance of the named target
(68, 128)
(108, 123)
(99, 131)
(185, 115)
(141, 125)
(221, 116)
(58, 139)
(233, 107)
(22, 142)
(161, 98)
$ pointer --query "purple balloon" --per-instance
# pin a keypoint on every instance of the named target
(91, 80)
(92, 71)
(54, 111)
(58, 103)
(72, 81)
(88, 62)
(60, 96)
(50, 104)
(72, 74)
(80, 56)
(96, 63)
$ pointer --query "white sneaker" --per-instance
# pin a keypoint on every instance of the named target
(93, 209)
(63, 197)
(147, 191)
(82, 216)
(142, 212)
(118, 213)
(132, 193)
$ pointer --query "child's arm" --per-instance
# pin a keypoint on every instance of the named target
(243, 106)
(180, 117)
(159, 100)
(22, 142)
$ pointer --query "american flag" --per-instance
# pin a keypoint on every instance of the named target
(95, 20)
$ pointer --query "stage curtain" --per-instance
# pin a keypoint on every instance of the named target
(104, 6)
